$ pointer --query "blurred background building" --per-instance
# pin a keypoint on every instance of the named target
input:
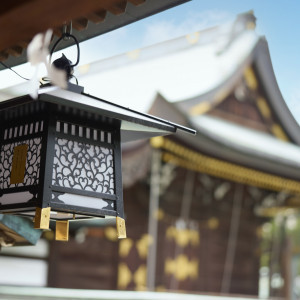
(215, 213)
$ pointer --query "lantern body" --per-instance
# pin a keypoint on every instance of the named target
(66, 159)
(61, 156)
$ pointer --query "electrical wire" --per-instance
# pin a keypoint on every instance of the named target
(65, 35)
(7, 67)
(76, 80)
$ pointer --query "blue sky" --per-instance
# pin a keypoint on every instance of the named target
(278, 20)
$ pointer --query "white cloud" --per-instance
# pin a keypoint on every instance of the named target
(137, 35)
(150, 32)
(106, 45)
(158, 31)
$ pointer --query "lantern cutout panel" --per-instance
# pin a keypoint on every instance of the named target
(20, 161)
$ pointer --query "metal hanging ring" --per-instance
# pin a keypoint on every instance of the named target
(66, 35)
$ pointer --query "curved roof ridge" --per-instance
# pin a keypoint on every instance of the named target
(216, 95)
(260, 58)
(264, 67)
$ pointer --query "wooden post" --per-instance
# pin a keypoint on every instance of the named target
(152, 221)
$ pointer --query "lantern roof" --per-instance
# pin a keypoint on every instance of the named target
(134, 125)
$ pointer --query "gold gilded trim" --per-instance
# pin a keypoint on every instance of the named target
(18, 164)
(200, 108)
(62, 231)
(121, 228)
(124, 276)
(204, 107)
(124, 247)
(134, 54)
(140, 278)
(157, 142)
(250, 78)
(278, 132)
(183, 237)
(186, 158)
(221, 95)
(182, 268)
(263, 107)
(84, 69)
(251, 25)
(193, 38)
(265, 111)
(111, 234)
(42, 218)
(213, 223)
(142, 245)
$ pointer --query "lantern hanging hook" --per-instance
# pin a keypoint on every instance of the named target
(67, 30)
(67, 35)
(64, 63)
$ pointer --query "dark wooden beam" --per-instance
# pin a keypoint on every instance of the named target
(137, 2)
(97, 17)
(23, 19)
(117, 8)
(80, 24)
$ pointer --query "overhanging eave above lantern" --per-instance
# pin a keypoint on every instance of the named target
(61, 155)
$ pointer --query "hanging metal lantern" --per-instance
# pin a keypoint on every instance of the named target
(61, 156)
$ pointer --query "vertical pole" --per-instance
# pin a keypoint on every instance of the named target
(187, 195)
(232, 239)
(288, 273)
(184, 214)
(275, 259)
(152, 221)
